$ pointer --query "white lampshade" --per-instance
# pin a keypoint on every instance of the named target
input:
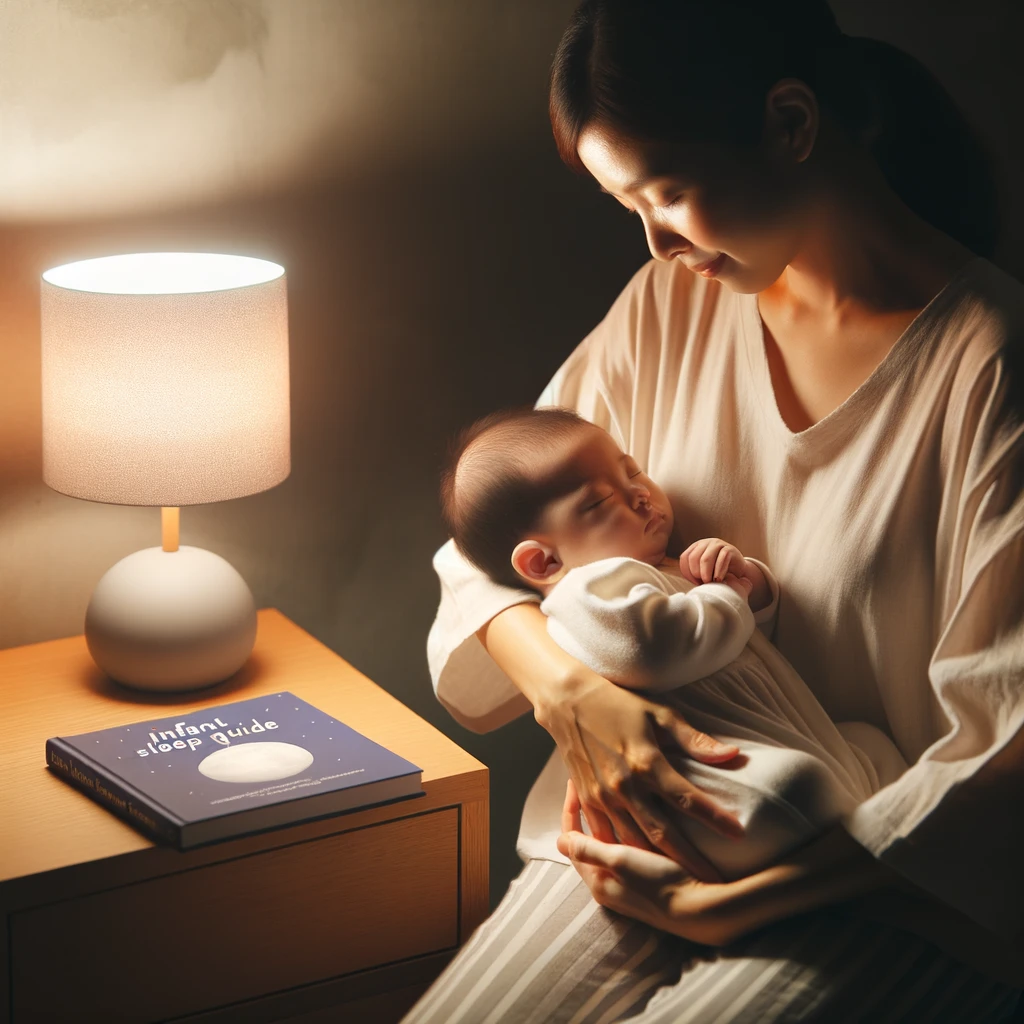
(165, 378)
(165, 382)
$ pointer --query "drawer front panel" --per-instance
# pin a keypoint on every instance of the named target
(241, 929)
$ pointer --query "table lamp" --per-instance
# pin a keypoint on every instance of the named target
(165, 383)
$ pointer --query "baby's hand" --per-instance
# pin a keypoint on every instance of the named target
(710, 559)
(714, 561)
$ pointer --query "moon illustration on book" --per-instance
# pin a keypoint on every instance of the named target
(256, 762)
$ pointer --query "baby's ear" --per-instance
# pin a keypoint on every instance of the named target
(537, 563)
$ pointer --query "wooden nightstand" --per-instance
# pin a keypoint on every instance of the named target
(358, 912)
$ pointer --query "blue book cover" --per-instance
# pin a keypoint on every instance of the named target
(233, 769)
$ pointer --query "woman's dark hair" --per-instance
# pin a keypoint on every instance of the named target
(491, 494)
(699, 71)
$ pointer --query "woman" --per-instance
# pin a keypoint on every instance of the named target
(818, 368)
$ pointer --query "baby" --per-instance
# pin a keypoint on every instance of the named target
(542, 498)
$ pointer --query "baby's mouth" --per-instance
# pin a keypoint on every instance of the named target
(656, 519)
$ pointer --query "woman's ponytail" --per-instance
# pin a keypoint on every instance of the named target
(891, 104)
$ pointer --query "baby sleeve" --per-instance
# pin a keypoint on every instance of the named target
(766, 618)
(623, 619)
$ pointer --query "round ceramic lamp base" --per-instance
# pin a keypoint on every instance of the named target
(171, 620)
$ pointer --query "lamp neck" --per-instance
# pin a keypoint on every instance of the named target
(169, 520)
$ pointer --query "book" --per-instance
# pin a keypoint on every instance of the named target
(231, 770)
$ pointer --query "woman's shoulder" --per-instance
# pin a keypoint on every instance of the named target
(987, 308)
(984, 323)
(981, 335)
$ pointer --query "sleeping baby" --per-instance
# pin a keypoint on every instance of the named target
(541, 498)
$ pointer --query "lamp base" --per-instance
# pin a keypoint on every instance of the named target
(171, 620)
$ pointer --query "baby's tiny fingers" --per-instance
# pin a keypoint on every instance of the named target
(693, 556)
(723, 562)
(708, 561)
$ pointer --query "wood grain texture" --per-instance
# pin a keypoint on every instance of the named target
(384, 1008)
(337, 1000)
(254, 926)
(70, 868)
(54, 689)
(475, 841)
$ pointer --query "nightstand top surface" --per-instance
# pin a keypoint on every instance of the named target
(54, 689)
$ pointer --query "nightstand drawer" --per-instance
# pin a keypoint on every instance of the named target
(242, 928)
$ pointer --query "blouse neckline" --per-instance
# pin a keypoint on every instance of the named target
(892, 365)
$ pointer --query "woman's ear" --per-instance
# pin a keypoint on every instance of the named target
(537, 563)
(792, 119)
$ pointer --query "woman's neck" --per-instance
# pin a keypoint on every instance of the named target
(864, 252)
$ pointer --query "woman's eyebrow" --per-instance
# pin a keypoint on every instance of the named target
(630, 186)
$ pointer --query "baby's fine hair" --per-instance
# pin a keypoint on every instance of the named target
(491, 496)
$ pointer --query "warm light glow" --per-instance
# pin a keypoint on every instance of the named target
(165, 378)
(163, 273)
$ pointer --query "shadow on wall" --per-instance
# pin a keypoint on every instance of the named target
(109, 106)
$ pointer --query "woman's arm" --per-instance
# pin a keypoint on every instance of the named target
(650, 887)
(830, 871)
(611, 741)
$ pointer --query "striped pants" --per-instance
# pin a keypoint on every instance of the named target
(549, 953)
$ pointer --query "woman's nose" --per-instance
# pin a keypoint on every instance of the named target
(664, 242)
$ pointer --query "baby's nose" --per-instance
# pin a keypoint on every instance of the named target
(641, 497)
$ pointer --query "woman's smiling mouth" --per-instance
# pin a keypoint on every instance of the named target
(711, 267)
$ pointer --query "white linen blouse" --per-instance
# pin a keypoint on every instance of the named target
(894, 525)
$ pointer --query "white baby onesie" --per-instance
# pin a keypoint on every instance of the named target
(698, 649)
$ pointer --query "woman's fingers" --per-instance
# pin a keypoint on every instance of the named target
(628, 832)
(680, 794)
(612, 825)
(630, 864)
(694, 743)
(571, 821)
(599, 822)
(665, 839)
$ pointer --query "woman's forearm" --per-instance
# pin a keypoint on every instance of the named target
(830, 870)
(518, 641)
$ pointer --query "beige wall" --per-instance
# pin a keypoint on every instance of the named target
(394, 156)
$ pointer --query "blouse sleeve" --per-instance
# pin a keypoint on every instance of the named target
(596, 381)
(954, 822)
(619, 617)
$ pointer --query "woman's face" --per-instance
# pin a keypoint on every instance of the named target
(728, 213)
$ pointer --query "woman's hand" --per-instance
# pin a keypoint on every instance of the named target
(611, 740)
(641, 884)
(651, 888)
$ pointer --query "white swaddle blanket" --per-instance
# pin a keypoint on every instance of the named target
(698, 649)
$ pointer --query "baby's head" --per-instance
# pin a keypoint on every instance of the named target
(531, 493)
